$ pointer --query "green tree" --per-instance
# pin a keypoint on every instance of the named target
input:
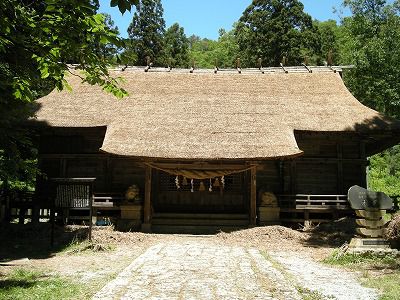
(330, 37)
(147, 31)
(38, 40)
(109, 51)
(207, 53)
(372, 44)
(371, 41)
(271, 29)
(384, 172)
(176, 51)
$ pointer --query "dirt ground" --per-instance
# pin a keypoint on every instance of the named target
(23, 245)
(111, 251)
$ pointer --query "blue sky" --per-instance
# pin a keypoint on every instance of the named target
(205, 17)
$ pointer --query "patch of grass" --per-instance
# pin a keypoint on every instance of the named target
(308, 294)
(389, 284)
(78, 246)
(378, 271)
(26, 284)
(367, 260)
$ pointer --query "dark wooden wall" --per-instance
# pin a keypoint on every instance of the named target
(74, 152)
(332, 162)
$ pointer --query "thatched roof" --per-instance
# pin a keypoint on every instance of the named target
(212, 116)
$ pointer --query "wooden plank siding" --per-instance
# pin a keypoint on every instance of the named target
(331, 163)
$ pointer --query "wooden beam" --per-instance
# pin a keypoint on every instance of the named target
(253, 196)
(146, 226)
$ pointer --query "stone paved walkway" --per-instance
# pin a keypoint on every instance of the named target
(201, 270)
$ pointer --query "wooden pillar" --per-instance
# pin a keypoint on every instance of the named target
(293, 177)
(281, 177)
(363, 179)
(253, 196)
(146, 226)
(63, 167)
(340, 185)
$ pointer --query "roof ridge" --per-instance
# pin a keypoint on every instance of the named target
(263, 70)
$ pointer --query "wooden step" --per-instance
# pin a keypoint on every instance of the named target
(201, 216)
(212, 222)
(191, 229)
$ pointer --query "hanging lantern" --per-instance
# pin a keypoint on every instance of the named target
(192, 184)
(184, 181)
(177, 183)
(210, 187)
(202, 187)
(216, 182)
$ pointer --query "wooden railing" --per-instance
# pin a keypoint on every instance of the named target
(314, 202)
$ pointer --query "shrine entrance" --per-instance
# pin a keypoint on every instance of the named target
(221, 194)
(184, 197)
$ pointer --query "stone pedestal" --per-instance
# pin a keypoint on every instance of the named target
(268, 215)
(359, 245)
(131, 217)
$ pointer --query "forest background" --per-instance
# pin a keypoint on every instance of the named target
(39, 40)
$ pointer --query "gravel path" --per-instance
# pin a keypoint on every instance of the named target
(204, 270)
(327, 281)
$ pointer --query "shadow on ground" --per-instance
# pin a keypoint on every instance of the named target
(33, 240)
(332, 234)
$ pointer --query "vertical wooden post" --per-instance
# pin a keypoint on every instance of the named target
(146, 226)
(363, 179)
(340, 185)
(281, 177)
(253, 196)
(293, 177)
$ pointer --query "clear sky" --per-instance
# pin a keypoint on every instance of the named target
(205, 17)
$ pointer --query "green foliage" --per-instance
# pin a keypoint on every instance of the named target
(271, 29)
(208, 53)
(147, 31)
(108, 52)
(372, 44)
(378, 271)
(39, 40)
(362, 259)
(384, 172)
(176, 49)
(28, 284)
(330, 35)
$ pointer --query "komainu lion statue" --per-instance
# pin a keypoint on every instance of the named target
(266, 198)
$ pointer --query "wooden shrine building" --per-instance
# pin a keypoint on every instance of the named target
(224, 149)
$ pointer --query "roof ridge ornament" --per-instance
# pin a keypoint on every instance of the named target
(307, 67)
(216, 69)
(283, 63)
(149, 64)
(329, 60)
(260, 65)
(192, 68)
(238, 68)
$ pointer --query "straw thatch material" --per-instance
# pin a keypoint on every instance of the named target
(212, 116)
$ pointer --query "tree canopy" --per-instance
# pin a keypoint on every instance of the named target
(41, 41)
(271, 29)
(176, 51)
(146, 32)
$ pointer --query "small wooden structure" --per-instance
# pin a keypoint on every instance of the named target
(200, 146)
(71, 194)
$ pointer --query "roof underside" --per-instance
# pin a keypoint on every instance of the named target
(212, 116)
